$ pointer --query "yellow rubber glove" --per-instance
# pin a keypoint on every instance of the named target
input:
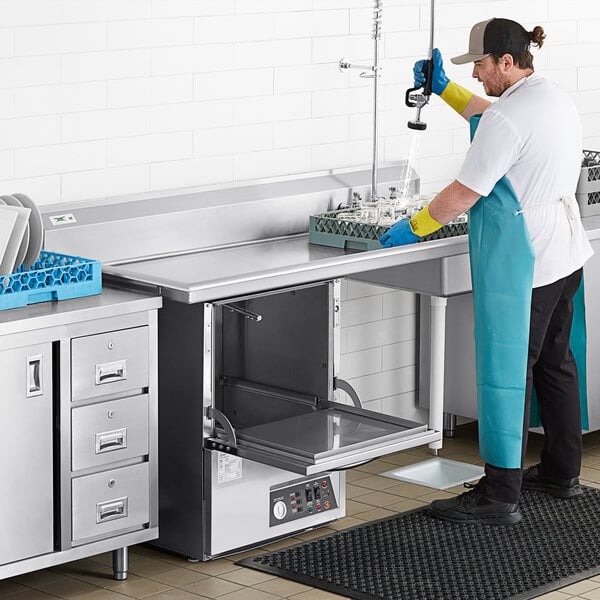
(423, 223)
(456, 96)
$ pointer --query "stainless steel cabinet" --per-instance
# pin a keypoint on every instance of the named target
(26, 499)
(79, 418)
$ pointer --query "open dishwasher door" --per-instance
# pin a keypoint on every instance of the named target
(338, 437)
(270, 360)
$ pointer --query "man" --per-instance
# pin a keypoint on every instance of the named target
(527, 249)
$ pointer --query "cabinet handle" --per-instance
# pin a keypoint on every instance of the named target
(111, 372)
(111, 440)
(34, 375)
(112, 509)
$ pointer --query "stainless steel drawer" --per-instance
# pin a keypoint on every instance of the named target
(109, 431)
(109, 501)
(109, 363)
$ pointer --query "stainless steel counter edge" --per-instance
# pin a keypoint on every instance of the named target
(341, 264)
(110, 303)
(298, 269)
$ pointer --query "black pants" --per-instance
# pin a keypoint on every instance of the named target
(551, 369)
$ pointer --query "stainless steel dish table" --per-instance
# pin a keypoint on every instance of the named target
(249, 349)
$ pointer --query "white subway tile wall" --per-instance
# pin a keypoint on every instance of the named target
(378, 348)
(106, 96)
(110, 97)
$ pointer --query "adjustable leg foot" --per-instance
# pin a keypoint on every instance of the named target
(120, 560)
(449, 425)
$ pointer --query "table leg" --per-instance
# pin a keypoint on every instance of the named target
(436, 375)
(120, 563)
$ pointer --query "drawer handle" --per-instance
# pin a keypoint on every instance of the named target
(34, 375)
(111, 510)
(111, 372)
(108, 441)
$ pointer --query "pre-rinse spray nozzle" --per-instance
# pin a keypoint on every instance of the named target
(420, 99)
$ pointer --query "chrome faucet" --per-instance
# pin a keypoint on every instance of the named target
(372, 71)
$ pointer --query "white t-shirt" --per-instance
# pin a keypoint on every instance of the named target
(532, 135)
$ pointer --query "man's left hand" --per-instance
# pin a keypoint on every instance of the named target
(399, 234)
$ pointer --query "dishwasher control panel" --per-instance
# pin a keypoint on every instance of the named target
(300, 500)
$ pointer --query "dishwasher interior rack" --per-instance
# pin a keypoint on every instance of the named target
(327, 229)
(588, 186)
(53, 277)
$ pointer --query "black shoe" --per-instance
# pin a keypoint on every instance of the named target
(475, 506)
(553, 486)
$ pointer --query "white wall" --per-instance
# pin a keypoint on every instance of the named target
(105, 97)
(378, 348)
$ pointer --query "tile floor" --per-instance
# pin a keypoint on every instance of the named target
(161, 576)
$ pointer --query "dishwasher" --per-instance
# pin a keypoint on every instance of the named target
(255, 427)
(275, 445)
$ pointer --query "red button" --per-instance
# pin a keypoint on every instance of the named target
(324, 484)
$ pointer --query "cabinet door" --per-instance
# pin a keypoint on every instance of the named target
(26, 505)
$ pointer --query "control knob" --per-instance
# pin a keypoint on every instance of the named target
(279, 510)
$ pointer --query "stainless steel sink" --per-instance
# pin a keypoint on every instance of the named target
(447, 276)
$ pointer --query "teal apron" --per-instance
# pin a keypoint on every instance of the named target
(502, 263)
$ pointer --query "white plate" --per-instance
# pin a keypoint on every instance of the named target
(7, 222)
(12, 201)
(36, 230)
(21, 217)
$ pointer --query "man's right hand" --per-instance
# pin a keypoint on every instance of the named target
(439, 80)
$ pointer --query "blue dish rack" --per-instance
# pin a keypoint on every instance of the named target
(53, 277)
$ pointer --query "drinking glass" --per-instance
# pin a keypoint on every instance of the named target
(370, 212)
(386, 211)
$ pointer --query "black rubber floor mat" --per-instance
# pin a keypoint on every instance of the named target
(413, 556)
